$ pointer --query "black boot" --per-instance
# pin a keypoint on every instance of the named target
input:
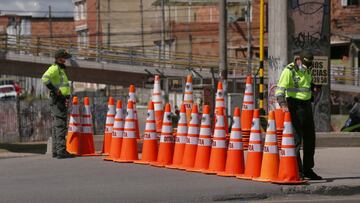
(310, 174)
(65, 155)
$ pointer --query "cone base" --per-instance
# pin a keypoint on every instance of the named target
(210, 172)
(245, 177)
(161, 165)
(260, 179)
(196, 170)
(123, 161)
(298, 182)
(94, 154)
(108, 159)
(226, 174)
(142, 162)
(176, 166)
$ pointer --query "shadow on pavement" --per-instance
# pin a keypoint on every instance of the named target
(34, 148)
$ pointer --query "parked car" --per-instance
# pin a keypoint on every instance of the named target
(11, 81)
(8, 92)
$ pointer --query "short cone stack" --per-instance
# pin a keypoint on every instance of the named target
(220, 103)
(74, 130)
(180, 139)
(235, 155)
(188, 97)
(166, 146)
(247, 112)
(129, 152)
(204, 144)
(87, 147)
(132, 97)
(191, 140)
(158, 103)
(270, 161)
(218, 149)
(279, 118)
(150, 145)
(118, 132)
(110, 116)
(288, 167)
(254, 155)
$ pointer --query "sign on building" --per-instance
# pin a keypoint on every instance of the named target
(320, 70)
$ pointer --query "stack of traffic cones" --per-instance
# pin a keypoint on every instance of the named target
(270, 161)
(204, 144)
(118, 131)
(74, 130)
(150, 148)
(191, 140)
(218, 149)
(188, 97)
(247, 112)
(235, 154)
(254, 155)
(166, 146)
(279, 118)
(129, 152)
(180, 140)
(87, 147)
(110, 116)
(132, 97)
(288, 166)
(158, 103)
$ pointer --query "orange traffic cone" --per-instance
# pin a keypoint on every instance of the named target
(132, 97)
(188, 97)
(235, 154)
(129, 152)
(220, 103)
(110, 116)
(254, 155)
(279, 119)
(247, 112)
(180, 139)
(218, 149)
(87, 147)
(150, 148)
(204, 144)
(270, 161)
(191, 140)
(118, 131)
(288, 167)
(158, 103)
(74, 130)
(166, 146)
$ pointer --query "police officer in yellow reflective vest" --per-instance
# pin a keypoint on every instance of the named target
(294, 94)
(57, 82)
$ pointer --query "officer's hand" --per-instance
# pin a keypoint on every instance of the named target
(284, 107)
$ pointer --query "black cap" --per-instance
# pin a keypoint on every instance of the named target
(61, 53)
(306, 56)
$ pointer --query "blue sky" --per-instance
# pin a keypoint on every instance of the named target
(37, 8)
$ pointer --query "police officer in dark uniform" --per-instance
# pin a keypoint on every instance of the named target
(57, 82)
(294, 93)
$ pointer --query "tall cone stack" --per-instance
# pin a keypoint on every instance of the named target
(191, 140)
(218, 149)
(220, 103)
(188, 96)
(74, 129)
(270, 161)
(204, 144)
(158, 103)
(180, 140)
(247, 112)
(129, 152)
(110, 117)
(288, 166)
(118, 132)
(132, 97)
(254, 155)
(166, 146)
(235, 155)
(279, 118)
(150, 145)
(87, 147)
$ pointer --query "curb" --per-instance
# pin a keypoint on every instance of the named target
(322, 190)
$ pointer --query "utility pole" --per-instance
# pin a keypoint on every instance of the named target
(261, 67)
(108, 24)
(163, 30)
(50, 25)
(142, 27)
(249, 57)
(98, 29)
(223, 45)
(190, 50)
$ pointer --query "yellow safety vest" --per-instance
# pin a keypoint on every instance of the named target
(57, 77)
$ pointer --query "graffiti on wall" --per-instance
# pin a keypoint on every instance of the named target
(276, 65)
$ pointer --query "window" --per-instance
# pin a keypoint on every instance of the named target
(76, 12)
(82, 39)
(83, 11)
(80, 10)
(349, 2)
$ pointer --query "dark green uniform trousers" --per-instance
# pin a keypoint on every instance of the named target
(59, 130)
(304, 131)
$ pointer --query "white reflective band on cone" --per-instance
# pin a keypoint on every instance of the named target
(110, 120)
(73, 128)
(205, 132)
(150, 126)
(248, 88)
(87, 129)
(108, 129)
(75, 120)
(270, 138)
(288, 141)
(271, 149)
(118, 133)
(166, 129)
(86, 120)
(193, 130)
(255, 137)
(192, 140)
(206, 142)
(248, 106)
(111, 110)
(129, 134)
(287, 128)
(150, 136)
(180, 139)
(219, 144)
(166, 139)
(254, 148)
(182, 130)
(289, 152)
(235, 134)
(219, 133)
(235, 145)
